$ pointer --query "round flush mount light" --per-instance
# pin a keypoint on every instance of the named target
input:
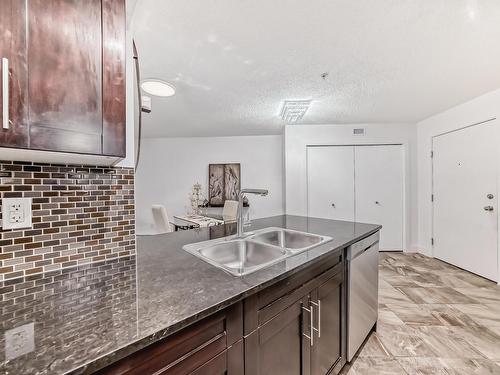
(157, 87)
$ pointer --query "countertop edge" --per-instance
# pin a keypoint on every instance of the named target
(131, 348)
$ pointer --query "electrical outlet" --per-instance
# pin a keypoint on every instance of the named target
(16, 213)
(19, 341)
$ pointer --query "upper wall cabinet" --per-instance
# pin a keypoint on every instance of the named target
(63, 75)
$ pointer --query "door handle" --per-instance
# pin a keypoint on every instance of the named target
(488, 208)
(5, 93)
(318, 305)
(311, 330)
(310, 310)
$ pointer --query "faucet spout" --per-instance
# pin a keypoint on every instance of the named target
(239, 215)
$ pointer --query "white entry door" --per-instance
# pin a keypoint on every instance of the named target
(379, 191)
(330, 185)
(465, 201)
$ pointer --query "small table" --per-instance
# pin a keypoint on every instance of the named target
(182, 224)
(194, 221)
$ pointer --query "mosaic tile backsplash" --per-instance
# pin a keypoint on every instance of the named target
(76, 313)
(81, 215)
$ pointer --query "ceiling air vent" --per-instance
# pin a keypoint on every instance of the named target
(293, 110)
(358, 131)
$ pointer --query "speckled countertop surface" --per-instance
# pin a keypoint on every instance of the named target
(87, 317)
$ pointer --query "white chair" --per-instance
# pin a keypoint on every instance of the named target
(160, 217)
(230, 210)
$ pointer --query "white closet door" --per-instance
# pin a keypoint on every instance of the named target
(379, 191)
(465, 201)
(330, 185)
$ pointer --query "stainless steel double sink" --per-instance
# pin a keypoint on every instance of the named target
(261, 249)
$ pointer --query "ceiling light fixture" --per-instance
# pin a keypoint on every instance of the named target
(157, 87)
(293, 110)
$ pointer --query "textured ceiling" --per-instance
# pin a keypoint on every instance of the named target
(234, 62)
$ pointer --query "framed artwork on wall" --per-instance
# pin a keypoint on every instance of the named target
(224, 183)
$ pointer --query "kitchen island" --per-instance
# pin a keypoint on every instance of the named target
(115, 315)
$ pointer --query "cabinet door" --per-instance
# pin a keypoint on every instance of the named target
(379, 191)
(13, 48)
(330, 182)
(113, 80)
(65, 75)
(326, 302)
(280, 346)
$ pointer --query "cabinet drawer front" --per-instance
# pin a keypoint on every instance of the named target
(276, 291)
(229, 362)
(193, 361)
(216, 366)
(272, 327)
(184, 351)
(286, 300)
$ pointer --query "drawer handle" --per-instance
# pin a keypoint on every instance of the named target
(5, 93)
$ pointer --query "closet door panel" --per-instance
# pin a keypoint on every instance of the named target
(379, 191)
(330, 182)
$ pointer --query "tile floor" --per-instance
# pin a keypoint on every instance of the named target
(433, 319)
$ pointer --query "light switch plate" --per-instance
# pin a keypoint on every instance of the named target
(16, 213)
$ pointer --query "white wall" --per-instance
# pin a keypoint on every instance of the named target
(477, 110)
(169, 167)
(298, 137)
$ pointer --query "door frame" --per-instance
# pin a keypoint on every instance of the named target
(406, 194)
(494, 119)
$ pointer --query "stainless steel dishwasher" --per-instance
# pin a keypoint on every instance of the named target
(362, 304)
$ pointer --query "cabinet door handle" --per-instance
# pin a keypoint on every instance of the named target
(318, 305)
(310, 310)
(5, 93)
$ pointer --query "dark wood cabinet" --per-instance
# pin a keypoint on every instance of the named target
(212, 346)
(294, 327)
(66, 75)
(113, 80)
(229, 362)
(280, 346)
(13, 50)
(326, 302)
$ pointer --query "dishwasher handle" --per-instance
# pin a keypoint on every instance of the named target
(361, 246)
(365, 250)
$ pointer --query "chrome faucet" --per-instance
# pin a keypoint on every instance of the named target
(239, 214)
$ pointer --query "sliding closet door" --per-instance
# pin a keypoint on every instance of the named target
(379, 191)
(330, 175)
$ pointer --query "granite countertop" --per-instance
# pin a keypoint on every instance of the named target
(87, 317)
